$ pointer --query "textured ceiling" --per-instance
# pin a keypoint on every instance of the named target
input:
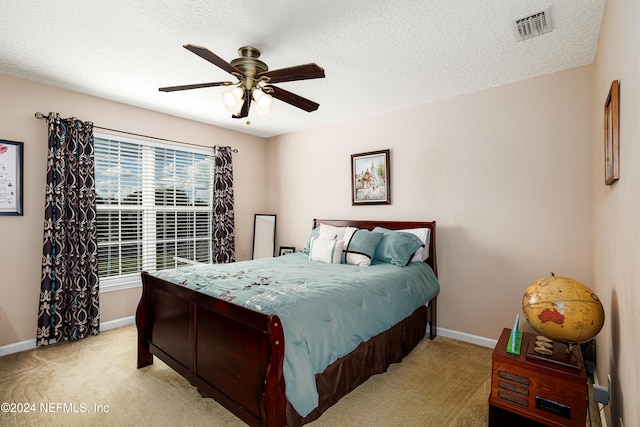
(378, 55)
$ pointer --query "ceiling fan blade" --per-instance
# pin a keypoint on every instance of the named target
(299, 72)
(293, 99)
(206, 54)
(193, 86)
(244, 111)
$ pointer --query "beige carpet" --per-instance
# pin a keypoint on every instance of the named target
(441, 383)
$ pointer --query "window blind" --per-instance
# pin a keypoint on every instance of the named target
(154, 207)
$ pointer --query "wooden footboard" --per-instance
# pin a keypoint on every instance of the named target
(230, 353)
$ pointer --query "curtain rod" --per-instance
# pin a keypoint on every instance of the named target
(40, 116)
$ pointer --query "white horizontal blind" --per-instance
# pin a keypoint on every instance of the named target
(154, 206)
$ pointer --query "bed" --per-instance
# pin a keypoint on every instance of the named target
(232, 348)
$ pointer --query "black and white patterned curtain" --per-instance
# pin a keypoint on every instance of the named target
(69, 305)
(224, 233)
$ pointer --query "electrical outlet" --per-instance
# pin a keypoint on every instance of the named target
(602, 394)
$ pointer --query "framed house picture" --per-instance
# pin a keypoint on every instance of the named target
(612, 135)
(370, 178)
(11, 164)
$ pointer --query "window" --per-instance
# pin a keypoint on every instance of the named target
(154, 208)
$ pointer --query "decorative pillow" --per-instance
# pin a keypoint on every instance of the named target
(331, 232)
(361, 247)
(326, 250)
(348, 234)
(314, 233)
(396, 247)
(337, 233)
(423, 234)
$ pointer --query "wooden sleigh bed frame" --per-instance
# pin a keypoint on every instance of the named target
(235, 355)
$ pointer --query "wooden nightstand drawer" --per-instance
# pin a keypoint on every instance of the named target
(553, 393)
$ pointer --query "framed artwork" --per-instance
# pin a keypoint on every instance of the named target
(612, 135)
(11, 164)
(370, 178)
(284, 250)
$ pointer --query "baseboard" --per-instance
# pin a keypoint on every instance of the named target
(30, 344)
(17, 347)
(463, 336)
(112, 324)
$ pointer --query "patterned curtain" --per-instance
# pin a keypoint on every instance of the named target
(224, 233)
(69, 308)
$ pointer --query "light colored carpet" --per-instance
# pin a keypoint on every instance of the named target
(441, 383)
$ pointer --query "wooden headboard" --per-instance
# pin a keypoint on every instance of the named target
(391, 225)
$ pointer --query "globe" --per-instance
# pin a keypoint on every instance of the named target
(563, 310)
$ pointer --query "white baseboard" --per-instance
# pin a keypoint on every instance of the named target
(112, 324)
(17, 347)
(463, 336)
(30, 344)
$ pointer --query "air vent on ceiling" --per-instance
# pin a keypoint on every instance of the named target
(533, 25)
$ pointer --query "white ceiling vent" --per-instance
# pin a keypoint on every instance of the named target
(533, 25)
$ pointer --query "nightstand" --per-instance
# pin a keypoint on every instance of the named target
(531, 389)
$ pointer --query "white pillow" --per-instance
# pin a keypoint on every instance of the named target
(337, 233)
(348, 234)
(326, 250)
(423, 234)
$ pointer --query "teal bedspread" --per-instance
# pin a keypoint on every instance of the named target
(326, 310)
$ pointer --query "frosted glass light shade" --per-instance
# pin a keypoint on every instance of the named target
(263, 102)
(233, 100)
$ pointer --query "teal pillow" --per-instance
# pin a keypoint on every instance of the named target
(361, 247)
(315, 233)
(396, 247)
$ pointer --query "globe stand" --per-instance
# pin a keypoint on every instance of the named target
(570, 348)
(563, 354)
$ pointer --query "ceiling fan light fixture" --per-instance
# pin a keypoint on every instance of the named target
(252, 74)
(233, 99)
(263, 101)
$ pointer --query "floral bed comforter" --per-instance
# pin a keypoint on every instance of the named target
(326, 310)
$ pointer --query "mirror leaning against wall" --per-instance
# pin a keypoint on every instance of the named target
(264, 236)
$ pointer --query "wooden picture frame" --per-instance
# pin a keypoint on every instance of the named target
(612, 135)
(285, 250)
(370, 178)
(11, 170)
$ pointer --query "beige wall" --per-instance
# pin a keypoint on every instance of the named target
(21, 237)
(505, 172)
(617, 212)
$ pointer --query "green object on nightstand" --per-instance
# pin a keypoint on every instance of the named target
(513, 347)
(515, 337)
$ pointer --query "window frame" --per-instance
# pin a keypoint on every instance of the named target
(134, 280)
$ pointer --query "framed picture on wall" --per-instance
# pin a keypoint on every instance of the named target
(370, 178)
(11, 164)
(612, 135)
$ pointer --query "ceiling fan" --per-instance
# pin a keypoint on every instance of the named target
(254, 81)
